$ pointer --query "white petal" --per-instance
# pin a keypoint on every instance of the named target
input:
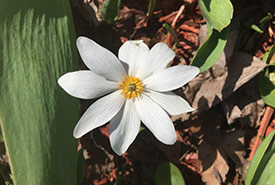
(158, 58)
(86, 84)
(171, 78)
(156, 120)
(170, 102)
(99, 113)
(133, 53)
(124, 128)
(100, 60)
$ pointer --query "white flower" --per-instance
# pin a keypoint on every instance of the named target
(136, 86)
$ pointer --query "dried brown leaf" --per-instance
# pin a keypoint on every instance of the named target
(214, 164)
(242, 68)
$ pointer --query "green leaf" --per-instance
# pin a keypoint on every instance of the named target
(80, 167)
(267, 79)
(218, 13)
(5, 176)
(151, 7)
(169, 28)
(261, 137)
(37, 46)
(210, 51)
(262, 166)
(256, 28)
(272, 78)
(265, 19)
(110, 10)
(267, 87)
(1, 136)
(168, 174)
(268, 54)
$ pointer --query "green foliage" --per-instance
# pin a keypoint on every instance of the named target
(267, 80)
(256, 28)
(110, 10)
(37, 46)
(151, 7)
(269, 53)
(218, 13)
(210, 51)
(1, 136)
(168, 174)
(262, 166)
(259, 28)
(267, 87)
(80, 167)
(265, 19)
(169, 28)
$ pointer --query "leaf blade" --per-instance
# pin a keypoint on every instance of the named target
(211, 49)
(218, 13)
(168, 174)
(266, 88)
(36, 47)
(259, 170)
(110, 10)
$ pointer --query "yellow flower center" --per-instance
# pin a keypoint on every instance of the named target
(131, 87)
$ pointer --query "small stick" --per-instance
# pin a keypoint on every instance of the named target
(168, 39)
(263, 125)
(177, 16)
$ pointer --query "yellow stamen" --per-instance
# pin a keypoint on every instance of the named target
(131, 87)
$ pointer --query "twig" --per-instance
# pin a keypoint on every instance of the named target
(168, 39)
(190, 28)
(263, 125)
(177, 16)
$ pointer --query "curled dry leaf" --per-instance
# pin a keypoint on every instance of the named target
(246, 104)
(206, 91)
(233, 145)
(214, 171)
(214, 155)
(242, 68)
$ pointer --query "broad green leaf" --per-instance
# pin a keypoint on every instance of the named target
(1, 136)
(267, 87)
(267, 79)
(262, 166)
(218, 13)
(168, 174)
(110, 10)
(37, 46)
(210, 51)
(80, 167)
(272, 78)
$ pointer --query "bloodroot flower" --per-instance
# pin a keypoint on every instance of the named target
(134, 87)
